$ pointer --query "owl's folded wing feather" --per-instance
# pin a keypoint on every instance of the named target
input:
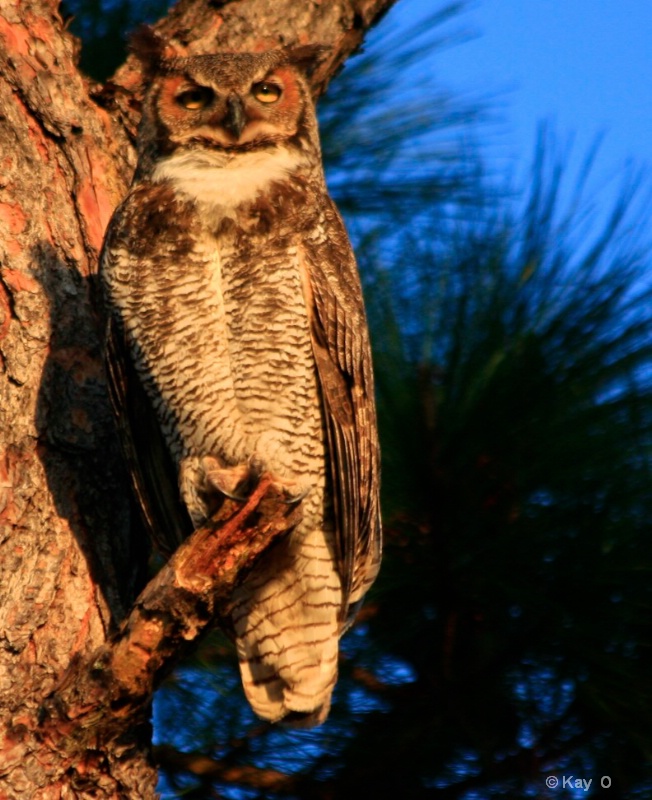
(152, 471)
(343, 356)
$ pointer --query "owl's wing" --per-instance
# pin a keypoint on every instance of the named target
(340, 343)
(152, 472)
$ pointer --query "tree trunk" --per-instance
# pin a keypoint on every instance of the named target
(70, 562)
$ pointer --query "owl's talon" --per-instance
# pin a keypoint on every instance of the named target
(293, 491)
(233, 496)
(293, 499)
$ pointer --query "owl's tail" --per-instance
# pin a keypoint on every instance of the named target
(287, 631)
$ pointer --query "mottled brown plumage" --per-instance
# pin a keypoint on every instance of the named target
(238, 344)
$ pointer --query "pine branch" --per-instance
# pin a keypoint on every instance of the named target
(208, 768)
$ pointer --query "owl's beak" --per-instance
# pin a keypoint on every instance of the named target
(235, 118)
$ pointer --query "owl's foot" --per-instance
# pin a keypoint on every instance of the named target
(233, 482)
(237, 482)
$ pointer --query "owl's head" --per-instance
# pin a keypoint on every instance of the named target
(230, 103)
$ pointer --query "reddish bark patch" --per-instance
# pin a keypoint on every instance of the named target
(18, 281)
(34, 131)
(17, 37)
(13, 217)
(96, 206)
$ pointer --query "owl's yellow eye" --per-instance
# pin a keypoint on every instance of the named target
(266, 92)
(195, 99)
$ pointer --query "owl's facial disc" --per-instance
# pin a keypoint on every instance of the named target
(231, 112)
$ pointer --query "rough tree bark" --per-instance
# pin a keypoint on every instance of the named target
(75, 688)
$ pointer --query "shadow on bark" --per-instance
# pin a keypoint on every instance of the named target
(78, 442)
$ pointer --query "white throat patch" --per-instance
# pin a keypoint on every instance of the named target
(226, 180)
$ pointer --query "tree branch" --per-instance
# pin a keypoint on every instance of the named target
(99, 695)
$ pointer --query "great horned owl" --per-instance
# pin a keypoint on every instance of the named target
(238, 345)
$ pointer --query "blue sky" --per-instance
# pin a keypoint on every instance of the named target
(583, 65)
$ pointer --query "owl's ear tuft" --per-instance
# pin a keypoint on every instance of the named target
(148, 47)
(308, 57)
(151, 49)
